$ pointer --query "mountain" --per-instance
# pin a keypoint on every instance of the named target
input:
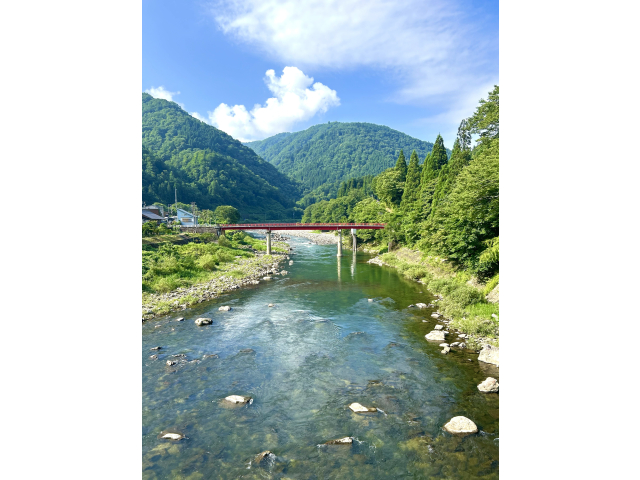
(335, 151)
(206, 165)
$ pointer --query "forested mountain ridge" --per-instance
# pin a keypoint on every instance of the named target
(335, 151)
(206, 165)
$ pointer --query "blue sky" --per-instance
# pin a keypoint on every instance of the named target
(246, 66)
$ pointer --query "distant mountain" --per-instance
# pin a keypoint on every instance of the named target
(335, 151)
(207, 166)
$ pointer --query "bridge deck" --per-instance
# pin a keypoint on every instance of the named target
(283, 226)
(302, 226)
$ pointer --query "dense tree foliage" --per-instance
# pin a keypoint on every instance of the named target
(336, 151)
(226, 214)
(206, 165)
(448, 208)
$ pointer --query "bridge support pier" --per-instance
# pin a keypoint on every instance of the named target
(355, 242)
(268, 242)
(340, 243)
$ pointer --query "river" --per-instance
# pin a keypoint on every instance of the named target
(323, 346)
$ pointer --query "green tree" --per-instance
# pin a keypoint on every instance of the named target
(485, 122)
(401, 166)
(439, 153)
(411, 193)
(226, 214)
(389, 187)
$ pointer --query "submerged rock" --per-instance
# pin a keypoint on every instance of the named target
(263, 457)
(357, 408)
(490, 385)
(340, 441)
(180, 319)
(224, 308)
(461, 426)
(212, 355)
(153, 357)
(435, 335)
(247, 350)
(490, 354)
(203, 321)
(237, 399)
(155, 348)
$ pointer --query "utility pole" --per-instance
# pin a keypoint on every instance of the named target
(176, 204)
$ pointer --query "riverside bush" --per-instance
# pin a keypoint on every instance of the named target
(464, 295)
(208, 262)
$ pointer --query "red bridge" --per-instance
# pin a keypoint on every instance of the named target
(290, 226)
(301, 226)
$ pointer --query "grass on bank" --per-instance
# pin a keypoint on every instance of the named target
(167, 266)
(463, 303)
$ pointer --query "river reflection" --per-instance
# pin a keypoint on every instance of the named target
(321, 347)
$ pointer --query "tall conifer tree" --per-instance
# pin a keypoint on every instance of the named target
(401, 166)
(439, 153)
(412, 183)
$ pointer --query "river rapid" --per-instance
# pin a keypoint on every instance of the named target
(322, 346)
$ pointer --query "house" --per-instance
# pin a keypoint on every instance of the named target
(186, 218)
(151, 214)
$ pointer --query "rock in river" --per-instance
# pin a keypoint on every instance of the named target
(490, 385)
(421, 305)
(356, 407)
(225, 308)
(263, 458)
(340, 441)
(490, 354)
(179, 319)
(156, 348)
(370, 299)
(435, 335)
(446, 350)
(439, 327)
(170, 362)
(172, 436)
(271, 305)
(203, 321)
(266, 278)
(237, 399)
(461, 426)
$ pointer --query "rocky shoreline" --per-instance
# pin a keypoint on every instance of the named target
(317, 238)
(254, 270)
(488, 352)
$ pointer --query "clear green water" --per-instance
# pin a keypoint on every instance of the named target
(308, 365)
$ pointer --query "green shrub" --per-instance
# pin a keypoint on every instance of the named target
(223, 241)
(208, 262)
(464, 295)
(225, 256)
(491, 284)
(165, 284)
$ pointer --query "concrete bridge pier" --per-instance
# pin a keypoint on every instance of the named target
(268, 242)
(355, 242)
(340, 244)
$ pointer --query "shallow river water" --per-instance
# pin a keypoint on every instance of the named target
(321, 347)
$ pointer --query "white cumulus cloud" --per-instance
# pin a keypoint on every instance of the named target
(160, 92)
(296, 99)
(436, 53)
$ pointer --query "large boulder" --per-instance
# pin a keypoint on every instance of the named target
(340, 441)
(461, 426)
(490, 354)
(203, 321)
(435, 335)
(490, 385)
(494, 295)
(356, 407)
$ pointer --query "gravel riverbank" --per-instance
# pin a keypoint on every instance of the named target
(249, 271)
